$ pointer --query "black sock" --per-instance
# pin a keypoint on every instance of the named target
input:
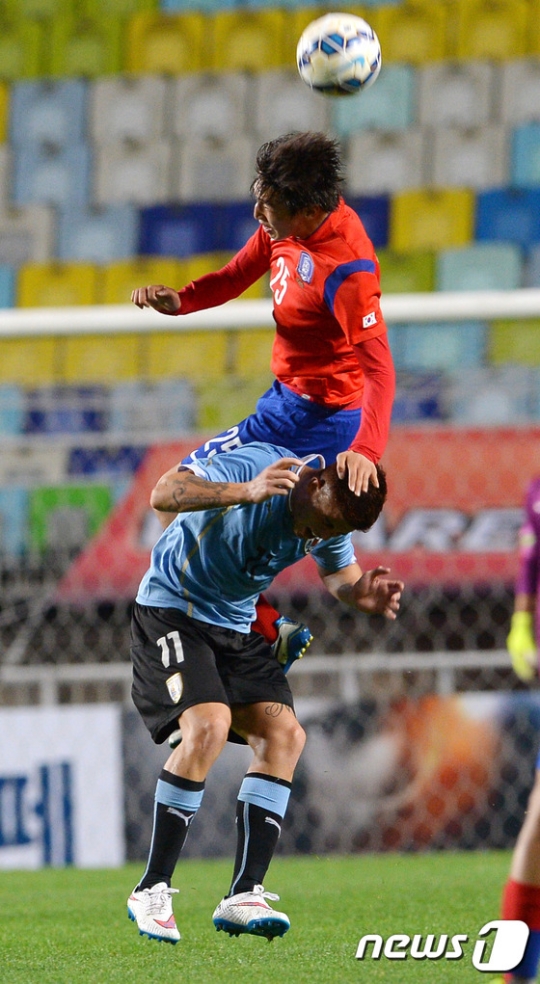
(176, 803)
(257, 832)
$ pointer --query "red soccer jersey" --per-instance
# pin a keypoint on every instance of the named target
(326, 294)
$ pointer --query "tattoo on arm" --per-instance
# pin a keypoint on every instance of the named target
(196, 493)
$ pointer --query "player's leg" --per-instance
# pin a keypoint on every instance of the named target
(521, 897)
(175, 681)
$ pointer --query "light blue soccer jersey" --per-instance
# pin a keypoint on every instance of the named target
(214, 563)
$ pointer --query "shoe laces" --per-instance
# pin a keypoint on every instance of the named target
(158, 896)
(259, 890)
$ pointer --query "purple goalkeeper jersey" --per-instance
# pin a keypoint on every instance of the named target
(529, 549)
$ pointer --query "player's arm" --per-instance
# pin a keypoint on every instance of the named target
(521, 643)
(368, 592)
(179, 490)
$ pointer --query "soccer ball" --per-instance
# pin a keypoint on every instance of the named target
(338, 55)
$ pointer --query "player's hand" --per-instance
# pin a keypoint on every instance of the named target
(377, 595)
(157, 296)
(522, 646)
(277, 479)
(359, 469)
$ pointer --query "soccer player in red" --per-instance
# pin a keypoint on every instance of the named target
(335, 378)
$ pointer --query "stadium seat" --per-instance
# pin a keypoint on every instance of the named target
(389, 105)
(119, 279)
(5, 175)
(251, 40)
(57, 284)
(100, 359)
(13, 522)
(167, 44)
(63, 518)
(28, 361)
(474, 158)
(202, 6)
(455, 94)
(526, 156)
(227, 401)
(404, 273)
(532, 268)
(279, 103)
(490, 396)
(386, 161)
(128, 107)
(129, 172)
(21, 46)
(7, 286)
(179, 230)
(42, 11)
(123, 8)
(27, 234)
(48, 112)
(253, 350)
(209, 105)
(66, 410)
(98, 235)
(445, 346)
(165, 408)
(419, 397)
(520, 91)
(515, 341)
(194, 355)
(236, 224)
(481, 266)
(415, 32)
(108, 462)
(12, 407)
(511, 214)
(492, 29)
(49, 175)
(211, 169)
(4, 111)
(431, 219)
(85, 43)
(374, 212)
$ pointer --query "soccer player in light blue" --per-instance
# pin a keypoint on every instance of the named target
(231, 523)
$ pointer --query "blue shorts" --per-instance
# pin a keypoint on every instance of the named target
(284, 418)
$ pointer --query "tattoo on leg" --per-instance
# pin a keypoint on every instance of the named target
(274, 710)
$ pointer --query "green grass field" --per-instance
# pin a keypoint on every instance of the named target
(71, 926)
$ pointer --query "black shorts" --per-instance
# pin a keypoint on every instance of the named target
(180, 661)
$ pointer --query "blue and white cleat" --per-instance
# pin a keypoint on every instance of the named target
(292, 641)
(151, 909)
(249, 912)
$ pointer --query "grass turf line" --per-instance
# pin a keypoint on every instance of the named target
(70, 926)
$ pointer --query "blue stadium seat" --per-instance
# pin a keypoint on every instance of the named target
(481, 266)
(374, 212)
(525, 168)
(156, 409)
(13, 521)
(512, 214)
(443, 346)
(532, 268)
(105, 462)
(389, 105)
(491, 396)
(419, 396)
(236, 224)
(7, 286)
(48, 112)
(12, 409)
(179, 230)
(50, 175)
(99, 235)
(66, 410)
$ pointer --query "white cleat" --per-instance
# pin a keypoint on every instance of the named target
(249, 912)
(151, 909)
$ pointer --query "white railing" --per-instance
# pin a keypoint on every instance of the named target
(397, 308)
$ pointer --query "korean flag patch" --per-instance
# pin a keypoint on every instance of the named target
(305, 268)
(369, 320)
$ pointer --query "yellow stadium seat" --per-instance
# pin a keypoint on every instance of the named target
(171, 44)
(195, 355)
(101, 358)
(515, 341)
(251, 40)
(494, 29)
(4, 101)
(416, 32)
(40, 10)
(28, 361)
(84, 44)
(119, 279)
(21, 44)
(403, 273)
(227, 401)
(534, 27)
(57, 284)
(431, 219)
(253, 350)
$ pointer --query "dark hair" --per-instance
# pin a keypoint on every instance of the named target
(302, 170)
(359, 511)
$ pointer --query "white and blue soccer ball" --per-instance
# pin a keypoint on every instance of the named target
(339, 55)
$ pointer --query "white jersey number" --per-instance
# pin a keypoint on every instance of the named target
(171, 645)
(278, 282)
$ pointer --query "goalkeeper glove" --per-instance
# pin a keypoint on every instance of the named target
(522, 646)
